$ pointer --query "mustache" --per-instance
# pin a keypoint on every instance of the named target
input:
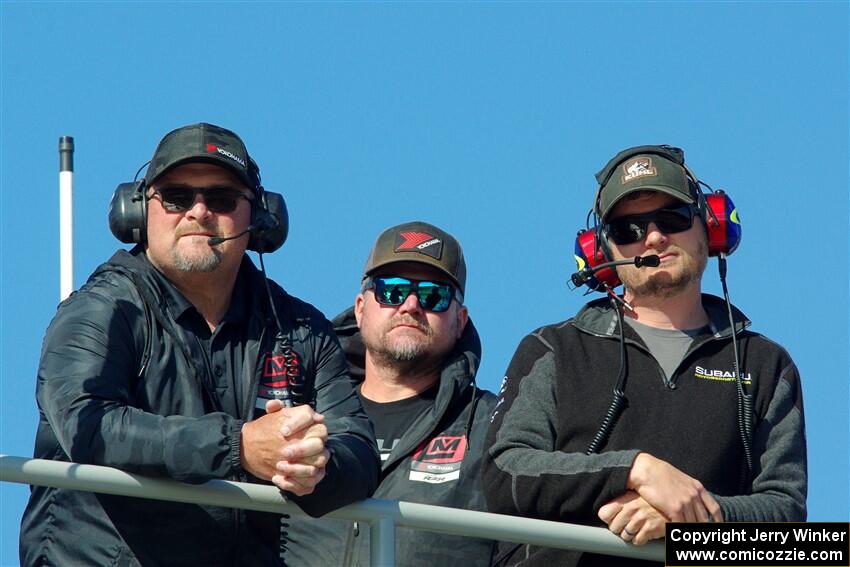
(409, 320)
(195, 228)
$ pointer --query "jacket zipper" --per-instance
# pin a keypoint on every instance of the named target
(669, 383)
(253, 379)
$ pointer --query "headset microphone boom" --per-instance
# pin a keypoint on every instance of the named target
(584, 275)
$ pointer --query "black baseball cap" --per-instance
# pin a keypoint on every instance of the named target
(422, 243)
(203, 143)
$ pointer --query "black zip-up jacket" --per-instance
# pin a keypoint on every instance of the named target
(460, 411)
(559, 385)
(119, 384)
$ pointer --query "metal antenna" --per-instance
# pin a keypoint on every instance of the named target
(66, 216)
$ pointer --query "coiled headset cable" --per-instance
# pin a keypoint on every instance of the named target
(291, 394)
(746, 417)
(618, 402)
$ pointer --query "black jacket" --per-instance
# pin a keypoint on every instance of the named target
(559, 385)
(117, 386)
(460, 410)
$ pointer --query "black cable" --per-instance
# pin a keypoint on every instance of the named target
(745, 401)
(269, 293)
(619, 402)
(293, 391)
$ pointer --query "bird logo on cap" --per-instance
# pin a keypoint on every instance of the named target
(638, 167)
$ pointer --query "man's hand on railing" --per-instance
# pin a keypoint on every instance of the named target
(633, 518)
(287, 447)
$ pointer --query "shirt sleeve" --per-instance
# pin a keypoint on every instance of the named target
(354, 468)
(86, 391)
(524, 471)
(779, 485)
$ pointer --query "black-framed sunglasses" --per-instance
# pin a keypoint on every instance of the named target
(393, 290)
(632, 228)
(218, 199)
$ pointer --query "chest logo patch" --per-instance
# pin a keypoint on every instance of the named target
(278, 373)
(721, 375)
(438, 460)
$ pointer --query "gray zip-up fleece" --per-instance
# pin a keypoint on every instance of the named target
(559, 385)
(460, 411)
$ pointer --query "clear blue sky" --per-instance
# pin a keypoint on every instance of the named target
(488, 120)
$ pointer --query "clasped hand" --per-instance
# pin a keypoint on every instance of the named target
(287, 447)
(657, 493)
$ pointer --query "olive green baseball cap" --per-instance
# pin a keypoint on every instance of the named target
(643, 168)
(422, 243)
(207, 143)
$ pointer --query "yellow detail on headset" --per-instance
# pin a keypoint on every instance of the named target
(579, 262)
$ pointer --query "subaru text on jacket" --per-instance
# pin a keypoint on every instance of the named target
(559, 385)
(120, 385)
(454, 429)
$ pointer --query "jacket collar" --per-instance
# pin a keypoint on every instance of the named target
(457, 373)
(598, 317)
(137, 266)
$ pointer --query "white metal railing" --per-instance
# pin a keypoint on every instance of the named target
(383, 516)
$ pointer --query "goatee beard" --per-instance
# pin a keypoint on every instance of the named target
(209, 262)
(406, 352)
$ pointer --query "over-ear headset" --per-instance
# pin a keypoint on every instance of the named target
(128, 211)
(716, 210)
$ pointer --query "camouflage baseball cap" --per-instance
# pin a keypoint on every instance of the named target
(422, 243)
(643, 168)
(203, 143)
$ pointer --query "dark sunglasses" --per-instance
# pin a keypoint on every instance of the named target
(432, 296)
(218, 199)
(632, 228)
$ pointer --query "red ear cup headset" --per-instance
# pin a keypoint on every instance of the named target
(128, 212)
(723, 228)
(716, 209)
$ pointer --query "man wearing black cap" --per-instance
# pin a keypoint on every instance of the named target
(686, 435)
(174, 361)
(410, 342)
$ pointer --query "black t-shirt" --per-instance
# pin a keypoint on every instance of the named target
(391, 419)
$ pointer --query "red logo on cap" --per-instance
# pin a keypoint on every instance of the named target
(412, 240)
(211, 148)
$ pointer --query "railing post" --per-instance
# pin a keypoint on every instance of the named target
(382, 542)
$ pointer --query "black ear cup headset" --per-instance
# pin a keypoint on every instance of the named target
(592, 255)
(268, 231)
(269, 228)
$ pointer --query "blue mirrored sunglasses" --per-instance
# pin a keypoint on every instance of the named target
(393, 290)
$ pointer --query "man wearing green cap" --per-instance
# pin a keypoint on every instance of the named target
(178, 359)
(414, 350)
(705, 423)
